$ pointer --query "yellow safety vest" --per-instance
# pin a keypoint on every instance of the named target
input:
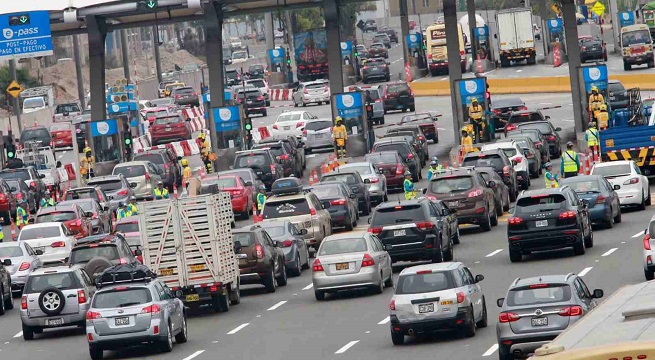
(340, 132)
(475, 112)
(187, 173)
(550, 184)
(592, 136)
(467, 144)
(261, 198)
(602, 118)
(160, 194)
(569, 161)
(21, 217)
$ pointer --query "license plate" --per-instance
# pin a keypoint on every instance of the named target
(169, 129)
(287, 127)
(60, 141)
(540, 321)
(399, 232)
(542, 223)
(425, 308)
(54, 322)
(342, 266)
(165, 272)
(198, 267)
(319, 136)
(193, 297)
(453, 204)
(241, 256)
(122, 321)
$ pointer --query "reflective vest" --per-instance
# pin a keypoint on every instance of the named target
(592, 136)
(260, 201)
(47, 202)
(161, 194)
(475, 112)
(86, 164)
(408, 186)
(123, 214)
(595, 101)
(467, 144)
(551, 180)
(2, 234)
(187, 173)
(570, 165)
(340, 132)
(432, 170)
(602, 118)
(21, 216)
(132, 209)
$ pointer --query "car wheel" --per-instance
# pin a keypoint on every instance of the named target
(167, 345)
(486, 224)
(448, 255)
(397, 338)
(589, 241)
(494, 219)
(412, 108)
(320, 295)
(483, 322)
(506, 203)
(379, 289)
(367, 209)
(512, 196)
(9, 302)
(2, 303)
(469, 330)
(650, 275)
(503, 355)
(648, 199)
(609, 222)
(456, 237)
(642, 205)
(438, 258)
(298, 269)
(389, 282)
(182, 336)
(269, 281)
(245, 215)
(224, 302)
(282, 279)
(349, 224)
(515, 256)
(617, 218)
(499, 210)
(579, 248)
(95, 353)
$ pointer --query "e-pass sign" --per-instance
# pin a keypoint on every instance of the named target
(25, 35)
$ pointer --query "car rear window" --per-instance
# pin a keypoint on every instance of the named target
(62, 281)
(542, 126)
(130, 171)
(613, 170)
(402, 149)
(447, 185)
(583, 186)
(34, 135)
(288, 117)
(347, 178)
(59, 216)
(525, 117)
(280, 209)
(378, 46)
(249, 94)
(276, 150)
(615, 87)
(374, 94)
(245, 239)
(651, 228)
(315, 86)
(318, 125)
(397, 88)
(82, 254)
(244, 174)
(119, 298)
(128, 227)
(380, 158)
(507, 103)
(67, 108)
(153, 158)
(20, 175)
(494, 161)
(110, 185)
(509, 152)
(533, 135)
(274, 230)
(327, 191)
(540, 203)
(257, 83)
(397, 215)
(10, 251)
(538, 294)
(39, 233)
(342, 246)
(185, 91)
(252, 160)
(361, 169)
(424, 283)
(221, 182)
(167, 120)
(231, 74)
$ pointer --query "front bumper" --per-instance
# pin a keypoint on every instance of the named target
(366, 277)
(430, 325)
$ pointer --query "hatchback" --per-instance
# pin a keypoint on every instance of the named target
(249, 177)
(168, 129)
(253, 101)
(152, 113)
(99, 252)
(420, 139)
(603, 202)
(391, 165)
(115, 187)
(262, 162)
(377, 182)
(501, 191)
(355, 182)
(260, 259)
(313, 92)
(100, 217)
(537, 139)
(344, 208)
(294, 143)
(262, 85)
(502, 109)
(24, 259)
(62, 135)
(240, 192)
(284, 155)
(291, 123)
(549, 133)
(143, 174)
(398, 96)
(290, 240)
(523, 116)
(376, 50)
(497, 160)
(517, 157)
(53, 239)
(6, 295)
(167, 162)
(627, 180)
(426, 121)
(383, 39)
(318, 134)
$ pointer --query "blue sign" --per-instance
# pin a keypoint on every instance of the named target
(104, 128)
(346, 48)
(584, 10)
(227, 118)
(627, 18)
(276, 56)
(349, 105)
(414, 41)
(122, 107)
(227, 96)
(134, 122)
(472, 88)
(482, 32)
(595, 76)
(555, 25)
(25, 35)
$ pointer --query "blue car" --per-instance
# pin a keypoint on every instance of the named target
(603, 202)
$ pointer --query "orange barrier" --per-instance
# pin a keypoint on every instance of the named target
(70, 171)
(557, 55)
(186, 148)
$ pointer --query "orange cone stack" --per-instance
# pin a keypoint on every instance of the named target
(13, 230)
(255, 217)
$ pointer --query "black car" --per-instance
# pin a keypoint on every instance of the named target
(353, 180)
(284, 156)
(502, 109)
(253, 101)
(419, 136)
(232, 77)
(391, 33)
(617, 95)
(406, 152)
(549, 133)
(99, 252)
(409, 138)
(36, 134)
(185, 96)
(537, 139)
(262, 162)
(592, 49)
(80, 129)
(296, 145)
(344, 207)
(501, 191)
(256, 72)
(290, 240)
(375, 69)
(415, 230)
(6, 297)
(167, 162)
(496, 159)
(523, 116)
(549, 219)
(398, 96)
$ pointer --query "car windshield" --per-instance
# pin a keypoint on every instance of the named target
(107, 186)
(34, 135)
(245, 239)
(33, 103)
(584, 186)
(288, 117)
(19, 175)
(239, 55)
(257, 83)
(364, 169)
(494, 161)
(401, 148)
(540, 203)
(62, 281)
(42, 232)
(347, 178)
(397, 214)
(127, 227)
(161, 102)
(318, 125)
(342, 246)
(635, 38)
(542, 126)
(251, 160)
(83, 254)
(612, 170)
(231, 74)
(382, 158)
(130, 171)
(156, 114)
(327, 191)
(424, 283)
(275, 150)
(59, 216)
(447, 185)
(80, 194)
(616, 87)
(538, 295)
(118, 298)
(10, 251)
(525, 117)
(167, 120)
(281, 209)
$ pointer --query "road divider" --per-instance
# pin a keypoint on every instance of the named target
(280, 94)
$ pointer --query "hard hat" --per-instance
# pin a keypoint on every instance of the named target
(262, 187)
(87, 149)
(548, 164)
(160, 182)
(201, 135)
(337, 119)
(603, 107)
(592, 124)
(184, 162)
(133, 198)
(569, 144)
(474, 100)
(407, 173)
(593, 88)
(434, 162)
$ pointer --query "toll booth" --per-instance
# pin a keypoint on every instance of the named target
(229, 124)
(416, 51)
(484, 46)
(556, 30)
(350, 106)
(593, 75)
(469, 89)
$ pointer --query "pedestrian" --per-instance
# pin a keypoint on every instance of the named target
(123, 211)
(467, 143)
(261, 198)
(160, 192)
(22, 214)
(132, 205)
(591, 137)
(570, 164)
(86, 164)
(550, 178)
(435, 167)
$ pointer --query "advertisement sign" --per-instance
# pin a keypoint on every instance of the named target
(121, 107)
(627, 18)
(276, 56)
(104, 128)
(414, 41)
(595, 76)
(227, 118)
(482, 33)
(467, 90)
(349, 105)
(346, 48)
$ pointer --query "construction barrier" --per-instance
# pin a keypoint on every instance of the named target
(557, 55)
(70, 172)
(280, 94)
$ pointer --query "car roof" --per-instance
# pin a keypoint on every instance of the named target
(580, 178)
(152, 151)
(355, 164)
(297, 111)
(464, 170)
(519, 282)
(337, 171)
(56, 208)
(104, 178)
(402, 203)
(529, 193)
(526, 112)
(53, 270)
(110, 238)
(444, 266)
(532, 123)
(253, 151)
(392, 140)
(130, 163)
(300, 195)
(345, 235)
(613, 163)
(42, 225)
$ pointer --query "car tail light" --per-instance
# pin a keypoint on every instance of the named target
(568, 215)
(515, 220)
(153, 310)
(32, 184)
(299, 124)
(78, 222)
(475, 193)
(123, 261)
(571, 311)
(506, 317)
(272, 169)
(631, 181)
(259, 251)
(147, 176)
(23, 303)
(305, 91)
(497, 111)
(95, 216)
(24, 266)
(421, 138)
(213, 288)
(122, 192)
(177, 96)
(167, 168)
(386, 93)
(647, 242)
(317, 265)
(461, 53)
(19, 196)
(304, 132)
(522, 108)
(375, 230)
(338, 202)
(460, 297)
(260, 98)
(425, 225)
(600, 198)
(287, 243)
(367, 261)
(3, 197)
(392, 305)
(510, 127)
(92, 315)
(530, 155)
(312, 212)
(399, 170)
(374, 180)
(410, 157)
(430, 56)
(275, 127)
(506, 170)
(583, 48)
(518, 160)
(58, 244)
(81, 297)
(551, 138)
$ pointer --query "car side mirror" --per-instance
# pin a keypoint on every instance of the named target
(598, 293)
(6, 262)
(616, 187)
(326, 205)
(514, 163)
(105, 208)
(381, 171)
(41, 176)
(248, 183)
(387, 247)
(479, 278)
(38, 252)
(491, 184)
(138, 252)
(558, 129)
(585, 202)
(547, 117)
(500, 302)
(178, 293)
(367, 181)
(88, 214)
(526, 152)
(237, 247)
(303, 231)
(13, 189)
(495, 36)
(133, 185)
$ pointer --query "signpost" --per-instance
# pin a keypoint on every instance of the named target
(25, 35)
(14, 89)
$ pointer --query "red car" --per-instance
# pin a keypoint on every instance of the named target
(62, 135)
(72, 216)
(153, 113)
(240, 192)
(169, 128)
(7, 202)
(391, 165)
(129, 227)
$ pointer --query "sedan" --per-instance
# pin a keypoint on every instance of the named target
(349, 261)
(391, 165)
(343, 209)
(313, 92)
(626, 179)
(602, 201)
(62, 135)
(378, 50)
(592, 49)
(290, 240)
(101, 218)
(168, 129)
(377, 185)
(248, 175)
(291, 123)
(240, 193)
(24, 259)
(355, 182)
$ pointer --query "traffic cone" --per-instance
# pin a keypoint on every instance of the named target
(13, 230)
(174, 190)
(583, 164)
(336, 163)
(255, 216)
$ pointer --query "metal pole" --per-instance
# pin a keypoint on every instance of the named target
(404, 30)
(214, 49)
(573, 52)
(125, 50)
(335, 73)
(78, 71)
(155, 41)
(454, 62)
(616, 26)
(14, 101)
(470, 8)
(76, 149)
(268, 30)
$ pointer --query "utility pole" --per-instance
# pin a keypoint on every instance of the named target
(155, 42)
(14, 101)
(616, 25)
(78, 71)
(125, 52)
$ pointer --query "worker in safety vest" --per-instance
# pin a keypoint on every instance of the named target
(591, 137)
(550, 178)
(204, 146)
(435, 167)
(595, 100)
(261, 198)
(22, 214)
(467, 143)
(570, 164)
(86, 164)
(408, 186)
(132, 206)
(187, 173)
(160, 191)
(340, 135)
(602, 117)
(475, 115)
(47, 200)
(2, 234)
(123, 211)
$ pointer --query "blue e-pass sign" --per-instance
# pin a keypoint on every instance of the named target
(276, 56)
(349, 105)
(595, 76)
(227, 118)
(627, 18)
(346, 48)
(470, 89)
(25, 35)
(555, 25)
(414, 41)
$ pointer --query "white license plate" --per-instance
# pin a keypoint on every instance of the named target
(60, 141)
(453, 204)
(399, 232)
(120, 321)
(169, 129)
(542, 223)
(287, 127)
(54, 322)
(540, 321)
(319, 136)
(241, 256)
(425, 308)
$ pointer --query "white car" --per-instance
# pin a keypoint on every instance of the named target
(239, 57)
(262, 85)
(313, 92)
(628, 182)
(291, 123)
(52, 238)
(649, 250)
(515, 154)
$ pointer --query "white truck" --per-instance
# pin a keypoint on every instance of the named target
(515, 36)
(35, 99)
(188, 243)
(66, 112)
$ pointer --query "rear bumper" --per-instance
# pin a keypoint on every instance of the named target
(69, 319)
(518, 54)
(170, 136)
(641, 59)
(430, 325)
(120, 341)
(629, 196)
(340, 217)
(525, 345)
(366, 277)
(599, 213)
(545, 241)
(307, 99)
(403, 252)
(240, 204)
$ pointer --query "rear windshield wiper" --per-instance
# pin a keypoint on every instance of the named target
(615, 176)
(129, 304)
(403, 220)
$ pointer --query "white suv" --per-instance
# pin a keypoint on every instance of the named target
(515, 154)
(628, 182)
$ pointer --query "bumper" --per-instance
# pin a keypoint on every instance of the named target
(18, 283)
(259, 109)
(54, 257)
(190, 101)
(551, 240)
(240, 205)
(596, 54)
(395, 183)
(366, 277)
(319, 144)
(170, 137)
(380, 76)
(143, 192)
(340, 217)
(253, 275)
(376, 190)
(524, 346)
(120, 341)
(309, 99)
(430, 325)
(397, 253)
(641, 59)
(59, 143)
(69, 319)
(629, 196)
(398, 105)
(599, 213)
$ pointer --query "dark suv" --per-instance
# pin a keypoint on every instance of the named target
(253, 101)
(549, 219)
(166, 162)
(99, 252)
(406, 152)
(262, 162)
(260, 261)
(617, 95)
(414, 230)
(496, 159)
(549, 133)
(398, 96)
(421, 141)
(296, 145)
(354, 181)
(284, 156)
(376, 69)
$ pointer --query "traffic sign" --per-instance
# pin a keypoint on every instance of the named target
(598, 8)
(25, 35)
(14, 89)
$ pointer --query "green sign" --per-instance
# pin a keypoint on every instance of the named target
(23, 19)
(151, 4)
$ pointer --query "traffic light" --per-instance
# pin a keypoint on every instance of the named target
(11, 151)
(288, 60)
(488, 97)
(247, 124)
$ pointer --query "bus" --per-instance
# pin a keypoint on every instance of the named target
(622, 327)
(436, 51)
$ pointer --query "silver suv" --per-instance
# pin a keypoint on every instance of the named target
(132, 307)
(537, 309)
(437, 297)
(55, 297)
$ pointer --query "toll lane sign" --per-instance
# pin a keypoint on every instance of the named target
(25, 35)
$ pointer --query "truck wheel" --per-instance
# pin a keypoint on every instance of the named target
(626, 66)
(224, 302)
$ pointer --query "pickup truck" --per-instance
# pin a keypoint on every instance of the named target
(66, 112)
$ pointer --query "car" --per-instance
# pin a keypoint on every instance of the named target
(531, 153)
(168, 129)
(80, 129)
(76, 220)
(284, 156)
(617, 95)
(537, 309)
(517, 157)
(36, 134)
(52, 238)
(426, 121)
(290, 240)
(377, 50)
(30, 177)
(420, 139)
(376, 113)
(239, 57)
(240, 194)
(303, 208)
(62, 135)
(361, 52)
(318, 135)
(248, 176)
(295, 143)
(377, 69)
(164, 103)
(311, 92)
(142, 173)
(152, 113)
(162, 87)
(253, 101)
(377, 185)
(129, 228)
(603, 202)
(398, 96)
(523, 116)
(370, 25)
(23, 259)
(649, 250)
(549, 133)
(437, 298)
(501, 191)
(168, 90)
(21, 191)
(167, 162)
(185, 96)
(391, 165)
(592, 49)
(291, 123)
(391, 33)
(55, 297)
(416, 230)
(502, 109)
(357, 184)
(406, 152)
(344, 207)
(256, 71)
(627, 180)
(382, 38)
(260, 259)
(262, 162)
(549, 219)
(349, 261)
(232, 77)
(536, 138)
(137, 309)
(9, 197)
(408, 137)
(96, 253)
(115, 189)
(101, 217)
(262, 85)
(498, 161)
(6, 295)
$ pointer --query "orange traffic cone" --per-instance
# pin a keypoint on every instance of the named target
(174, 190)
(13, 230)
(255, 217)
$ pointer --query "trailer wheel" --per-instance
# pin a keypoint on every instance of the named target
(224, 302)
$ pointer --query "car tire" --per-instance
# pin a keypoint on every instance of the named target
(166, 346)
(494, 219)
(298, 270)
(235, 294)
(502, 355)
(648, 199)
(515, 256)
(412, 108)
(224, 302)
(379, 289)
(642, 205)
(484, 321)
(269, 281)
(397, 338)
(95, 353)
(650, 274)
(183, 335)
(245, 215)
(609, 222)
(58, 309)
(589, 241)
(97, 265)
(9, 302)
(485, 225)
(6, 217)
(456, 237)
(617, 218)
(499, 209)
(320, 295)
(349, 225)
(389, 282)
(579, 248)
(448, 255)
(2, 303)
(367, 209)
(469, 330)
(282, 279)
(438, 258)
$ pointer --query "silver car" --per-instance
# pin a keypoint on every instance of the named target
(116, 187)
(55, 297)
(313, 92)
(352, 260)
(23, 260)
(133, 308)
(318, 135)
(377, 185)
(143, 177)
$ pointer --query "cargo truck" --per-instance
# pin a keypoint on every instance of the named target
(310, 52)
(515, 36)
(188, 243)
(35, 99)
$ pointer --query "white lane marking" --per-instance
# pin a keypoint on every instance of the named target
(494, 252)
(236, 330)
(491, 350)
(346, 347)
(19, 334)
(637, 234)
(518, 71)
(194, 355)
(385, 320)
(277, 305)
(610, 251)
(311, 156)
(585, 271)
(308, 287)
